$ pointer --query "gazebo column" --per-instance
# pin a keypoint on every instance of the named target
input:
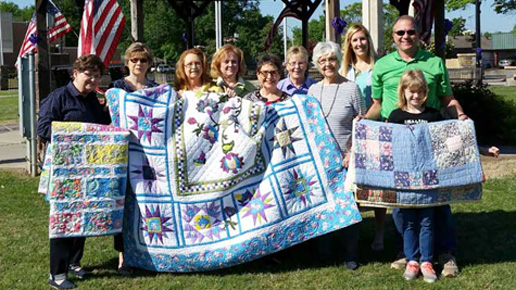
(332, 8)
(137, 20)
(372, 19)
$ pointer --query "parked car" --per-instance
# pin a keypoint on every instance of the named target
(165, 68)
(506, 62)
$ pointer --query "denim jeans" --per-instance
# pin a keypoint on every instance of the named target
(418, 233)
(445, 241)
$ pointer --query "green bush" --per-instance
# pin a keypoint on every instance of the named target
(495, 117)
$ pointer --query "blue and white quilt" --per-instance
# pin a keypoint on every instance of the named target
(420, 165)
(217, 182)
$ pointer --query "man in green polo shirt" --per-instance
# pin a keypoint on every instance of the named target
(387, 73)
(388, 70)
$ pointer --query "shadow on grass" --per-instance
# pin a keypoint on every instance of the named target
(483, 238)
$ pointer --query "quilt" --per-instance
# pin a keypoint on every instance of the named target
(420, 165)
(84, 178)
(220, 181)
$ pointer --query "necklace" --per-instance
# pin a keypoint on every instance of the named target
(332, 102)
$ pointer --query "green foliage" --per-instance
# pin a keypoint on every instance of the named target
(494, 116)
(448, 50)
(19, 14)
(504, 6)
(459, 26)
(452, 5)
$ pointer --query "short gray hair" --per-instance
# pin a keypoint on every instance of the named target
(325, 48)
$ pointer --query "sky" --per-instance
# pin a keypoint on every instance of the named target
(490, 21)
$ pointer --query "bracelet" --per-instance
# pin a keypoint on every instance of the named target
(462, 114)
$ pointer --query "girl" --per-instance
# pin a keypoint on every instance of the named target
(412, 95)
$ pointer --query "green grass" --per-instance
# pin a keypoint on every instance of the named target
(9, 107)
(507, 93)
(486, 236)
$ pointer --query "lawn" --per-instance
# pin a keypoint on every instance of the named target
(9, 107)
(507, 93)
(486, 234)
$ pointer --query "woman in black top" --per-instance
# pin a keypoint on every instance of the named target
(75, 102)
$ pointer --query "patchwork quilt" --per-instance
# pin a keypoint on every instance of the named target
(84, 179)
(420, 165)
(217, 182)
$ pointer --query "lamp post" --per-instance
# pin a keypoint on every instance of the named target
(478, 38)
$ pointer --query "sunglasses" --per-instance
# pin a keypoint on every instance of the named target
(142, 60)
(402, 32)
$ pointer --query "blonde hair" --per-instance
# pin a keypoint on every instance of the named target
(411, 79)
(221, 54)
(181, 82)
(349, 57)
(138, 48)
(297, 50)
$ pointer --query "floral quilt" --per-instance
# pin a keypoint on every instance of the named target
(217, 181)
(415, 165)
(84, 178)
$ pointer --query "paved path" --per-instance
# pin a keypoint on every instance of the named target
(13, 149)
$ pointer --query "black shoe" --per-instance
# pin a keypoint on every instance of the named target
(351, 265)
(79, 273)
(66, 284)
(125, 271)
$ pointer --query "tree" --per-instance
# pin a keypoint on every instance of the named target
(19, 14)
(459, 26)
(500, 6)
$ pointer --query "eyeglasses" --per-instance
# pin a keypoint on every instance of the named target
(402, 32)
(141, 60)
(192, 64)
(272, 73)
(323, 61)
(91, 75)
(299, 64)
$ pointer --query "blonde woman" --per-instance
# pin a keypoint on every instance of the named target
(358, 60)
(227, 69)
(192, 72)
(297, 82)
(357, 65)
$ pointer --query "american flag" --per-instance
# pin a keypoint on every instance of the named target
(287, 12)
(425, 17)
(31, 38)
(60, 28)
(102, 25)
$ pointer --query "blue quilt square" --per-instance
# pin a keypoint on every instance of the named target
(430, 177)
(386, 163)
(360, 131)
(385, 134)
(360, 160)
(401, 179)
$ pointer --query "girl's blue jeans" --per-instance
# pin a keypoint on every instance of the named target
(418, 234)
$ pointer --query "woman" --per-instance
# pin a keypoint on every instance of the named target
(268, 71)
(297, 64)
(138, 60)
(357, 66)
(75, 102)
(227, 68)
(341, 103)
(358, 60)
(192, 72)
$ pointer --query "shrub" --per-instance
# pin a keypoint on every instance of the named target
(495, 118)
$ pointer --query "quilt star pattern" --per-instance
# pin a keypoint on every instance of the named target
(420, 165)
(84, 178)
(218, 181)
